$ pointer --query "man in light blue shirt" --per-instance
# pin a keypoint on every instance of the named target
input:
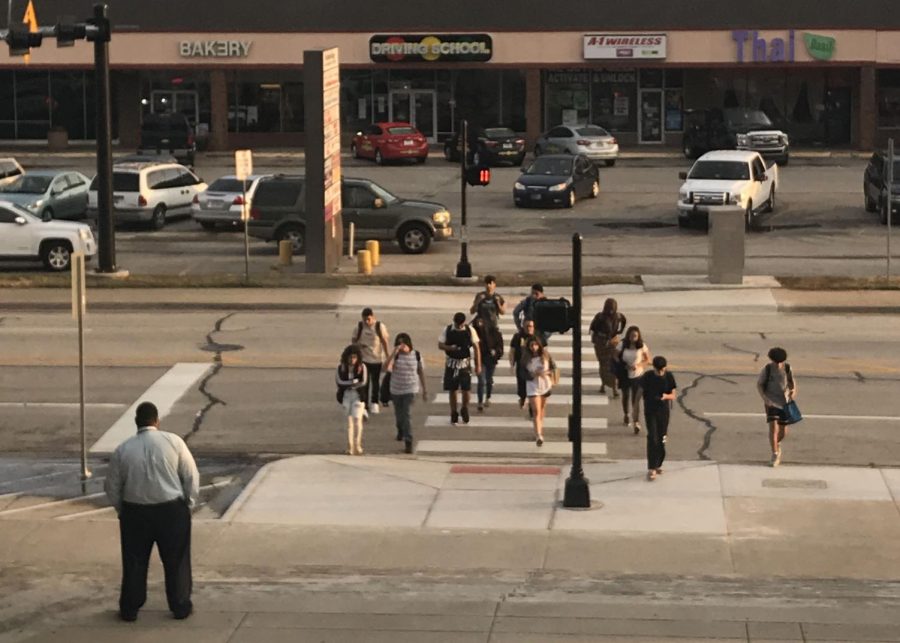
(153, 482)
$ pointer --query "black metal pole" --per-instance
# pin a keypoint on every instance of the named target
(577, 492)
(106, 235)
(463, 268)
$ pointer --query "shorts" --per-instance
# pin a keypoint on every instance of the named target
(774, 414)
(457, 379)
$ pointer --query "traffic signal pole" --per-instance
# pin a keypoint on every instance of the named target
(463, 268)
(577, 493)
(106, 236)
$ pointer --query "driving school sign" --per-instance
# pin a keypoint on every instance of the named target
(426, 48)
(613, 46)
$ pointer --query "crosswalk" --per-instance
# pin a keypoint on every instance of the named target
(505, 429)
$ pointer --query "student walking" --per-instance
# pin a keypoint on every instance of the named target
(776, 386)
(524, 310)
(659, 390)
(539, 369)
(372, 338)
(489, 304)
(407, 377)
(153, 482)
(352, 379)
(633, 359)
(490, 343)
(518, 356)
(459, 341)
(605, 329)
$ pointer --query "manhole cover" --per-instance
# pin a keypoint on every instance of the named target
(784, 483)
(221, 348)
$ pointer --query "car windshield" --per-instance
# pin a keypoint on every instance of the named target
(227, 185)
(402, 130)
(498, 132)
(26, 184)
(747, 118)
(383, 194)
(551, 167)
(720, 170)
(591, 130)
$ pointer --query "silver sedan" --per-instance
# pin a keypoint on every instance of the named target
(223, 201)
(50, 194)
(591, 140)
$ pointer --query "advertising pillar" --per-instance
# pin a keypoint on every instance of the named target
(322, 97)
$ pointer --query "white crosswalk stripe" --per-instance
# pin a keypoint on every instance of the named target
(565, 380)
(556, 398)
(505, 421)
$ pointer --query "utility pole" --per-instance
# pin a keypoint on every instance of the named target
(106, 234)
(463, 268)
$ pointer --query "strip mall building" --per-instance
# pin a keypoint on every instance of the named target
(826, 71)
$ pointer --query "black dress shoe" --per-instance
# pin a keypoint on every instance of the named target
(181, 615)
(409, 447)
(128, 617)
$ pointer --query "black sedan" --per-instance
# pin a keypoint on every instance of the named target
(557, 179)
(494, 145)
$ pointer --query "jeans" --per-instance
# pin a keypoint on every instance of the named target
(370, 394)
(403, 414)
(657, 427)
(486, 379)
(632, 395)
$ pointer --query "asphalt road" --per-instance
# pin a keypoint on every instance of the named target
(820, 227)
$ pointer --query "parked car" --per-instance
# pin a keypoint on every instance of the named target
(278, 213)
(149, 192)
(389, 142)
(168, 135)
(223, 201)
(727, 178)
(493, 145)
(145, 158)
(591, 140)
(734, 128)
(49, 194)
(10, 170)
(875, 187)
(557, 179)
(24, 236)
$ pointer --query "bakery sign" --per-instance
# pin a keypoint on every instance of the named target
(426, 48)
(214, 48)
(624, 46)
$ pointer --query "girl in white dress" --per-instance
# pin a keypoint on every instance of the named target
(351, 378)
(537, 385)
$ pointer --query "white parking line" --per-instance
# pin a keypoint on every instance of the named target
(813, 416)
(164, 393)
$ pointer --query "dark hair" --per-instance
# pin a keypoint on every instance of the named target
(659, 362)
(367, 312)
(537, 287)
(490, 279)
(534, 339)
(610, 307)
(778, 355)
(459, 319)
(352, 349)
(403, 338)
(626, 342)
(146, 414)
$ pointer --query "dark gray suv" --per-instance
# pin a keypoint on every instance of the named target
(278, 213)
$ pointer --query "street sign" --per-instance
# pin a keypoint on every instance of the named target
(243, 164)
(79, 307)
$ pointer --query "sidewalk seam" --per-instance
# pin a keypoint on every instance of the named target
(728, 540)
(890, 491)
(249, 490)
(237, 627)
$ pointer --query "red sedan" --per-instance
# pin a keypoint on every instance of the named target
(389, 142)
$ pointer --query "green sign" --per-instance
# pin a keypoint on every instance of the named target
(819, 47)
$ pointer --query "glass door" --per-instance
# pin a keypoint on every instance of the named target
(417, 107)
(176, 102)
(651, 116)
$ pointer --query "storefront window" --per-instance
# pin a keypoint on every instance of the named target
(568, 97)
(265, 102)
(179, 93)
(614, 99)
(31, 102)
(889, 98)
(7, 105)
(674, 110)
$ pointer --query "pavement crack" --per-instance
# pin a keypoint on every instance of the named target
(710, 426)
(859, 377)
(763, 336)
(741, 350)
(218, 349)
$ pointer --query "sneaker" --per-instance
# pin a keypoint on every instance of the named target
(539, 442)
(659, 472)
(665, 439)
(128, 617)
(408, 447)
(464, 413)
(651, 475)
(776, 460)
(637, 428)
(627, 420)
(480, 407)
(454, 418)
(487, 402)
(376, 409)
(602, 390)
(615, 393)
(183, 614)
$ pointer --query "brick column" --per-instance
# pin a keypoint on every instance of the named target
(534, 121)
(128, 108)
(868, 109)
(218, 107)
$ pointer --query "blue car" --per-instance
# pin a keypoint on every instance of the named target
(49, 194)
(557, 179)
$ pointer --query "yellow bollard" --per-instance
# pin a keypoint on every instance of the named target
(374, 249)
(285, 253)
(364, 262)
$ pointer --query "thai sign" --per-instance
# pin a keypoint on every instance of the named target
(752, 47)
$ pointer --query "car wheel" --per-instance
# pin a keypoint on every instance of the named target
(208, 225)
(379, 159)
(47, 214)
(871, 205)
(595, 189)
(296, 235)
(414, 239)
(748, 216)
(537, 150)
(570, 198)
(770, 204)
(158, 221)
(610, 162)
(353, 151)
(56, 255)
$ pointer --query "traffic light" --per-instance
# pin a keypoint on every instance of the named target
(478, 175)
(554, 315)
(21, 40)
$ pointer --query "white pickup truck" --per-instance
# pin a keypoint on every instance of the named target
(727, 178)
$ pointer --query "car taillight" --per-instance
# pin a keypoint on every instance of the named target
(613, 142)
(238, 200)
(141, 200)
(196, 200)
(254, 214)
(520, 141)
(582, 142)
(491, 143)
(190, 140)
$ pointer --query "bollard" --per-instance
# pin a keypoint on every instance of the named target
(364, 262)
(285, 253)
(374, 249)
(352, 240)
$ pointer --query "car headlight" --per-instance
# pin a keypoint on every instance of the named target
(784, 139)
(518, 186)
(34, 205)
(85, 234)
(743, 139)
(441, 218)
(734, 199)
(559, 187)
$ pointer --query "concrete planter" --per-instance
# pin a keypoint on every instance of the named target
(57, 140)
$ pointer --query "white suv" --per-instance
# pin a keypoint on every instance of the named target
(10, 170)
(149, 192)
(25, 236)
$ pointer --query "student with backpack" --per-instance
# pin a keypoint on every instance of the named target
(372, 338)
(489, 304)
(407, 377)
(524, 310)
(352, 379)
(459, 341)
(777, 388)
(490, 343)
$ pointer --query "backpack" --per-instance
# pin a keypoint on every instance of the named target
(488, 308)
(359, 330)
(787, 371)
(467, 346)
(554, 370)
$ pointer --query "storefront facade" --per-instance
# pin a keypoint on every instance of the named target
(825, 86)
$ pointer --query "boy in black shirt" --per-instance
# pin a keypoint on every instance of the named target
(659, 391)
